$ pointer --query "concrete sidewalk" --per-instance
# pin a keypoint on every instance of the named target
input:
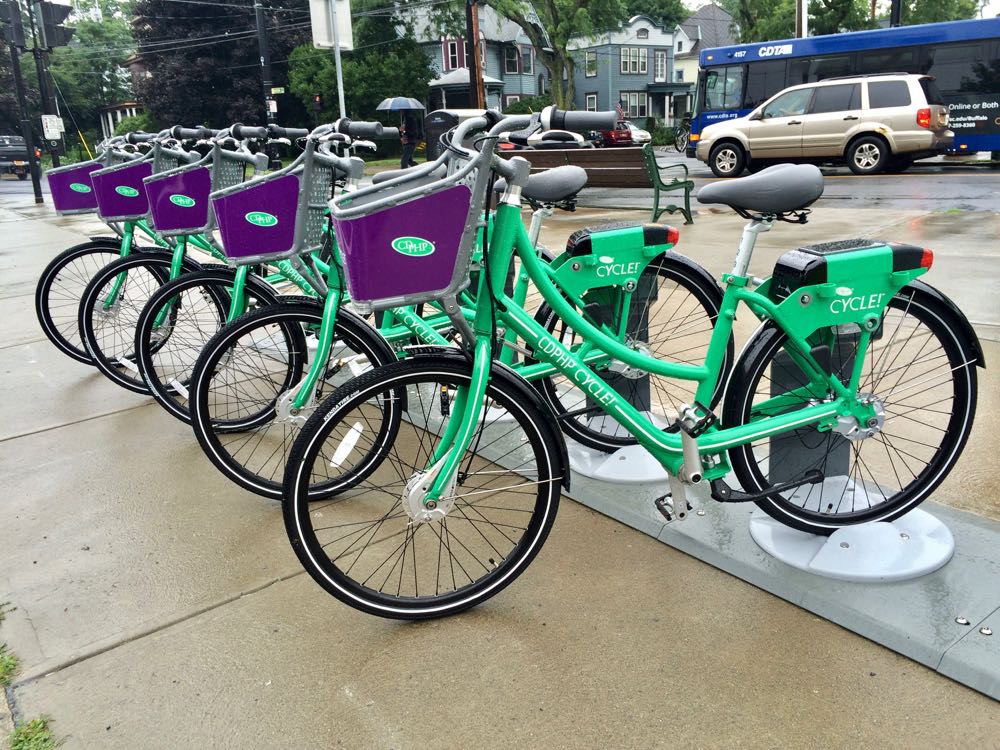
(158, 606)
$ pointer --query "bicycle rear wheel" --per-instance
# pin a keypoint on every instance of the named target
(176, 324)
(917, 372)
(242, 383)
(376, 434)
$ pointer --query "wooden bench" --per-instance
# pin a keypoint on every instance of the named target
(626, 167)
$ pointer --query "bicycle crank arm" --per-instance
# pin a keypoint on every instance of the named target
(726, 494)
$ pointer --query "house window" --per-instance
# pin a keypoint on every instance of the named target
(482, 54)
(510, 99)
(526, 61)
(660, 66)
(680, 46)
(452, 60)
(591, 102)
(541, 84)
(510, 56)
(634, 60)
(634, 103)
(590, 64)
(642, 34)
(679, 76)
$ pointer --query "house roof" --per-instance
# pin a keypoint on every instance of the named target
(460, 77)
(709, 26)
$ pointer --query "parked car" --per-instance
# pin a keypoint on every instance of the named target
(873, 123)
(639, 136)
(13, 156)
(620, 136)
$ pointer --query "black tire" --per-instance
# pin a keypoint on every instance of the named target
(681, 141)
(682, 318)
(868, 154)
(166, 354)
(60, 287)
(110, 335)
(486, 540)
(727, 159)
(916, 366)
(22, 175)
(244, 370)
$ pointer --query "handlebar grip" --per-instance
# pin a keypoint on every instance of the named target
(140, 137)
(192, 133)
(559, 119)
(290, 133)
(242, 132)
(359, 129)
(390, 134)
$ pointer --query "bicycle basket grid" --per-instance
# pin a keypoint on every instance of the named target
(410, 251)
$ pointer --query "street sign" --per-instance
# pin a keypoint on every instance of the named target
(322, 26)
(52, 127)
(272, 106)
(277, 89)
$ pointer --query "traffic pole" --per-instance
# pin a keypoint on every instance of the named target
(335, 29)
(41, 56)
(22, 103)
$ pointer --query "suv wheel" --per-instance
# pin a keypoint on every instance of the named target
(727, 160)
(867, 155)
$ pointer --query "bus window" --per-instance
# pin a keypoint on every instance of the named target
(764, 80)
(931, 91)
(959, 68)
(901, 60)
(810, 69)
(723, 88)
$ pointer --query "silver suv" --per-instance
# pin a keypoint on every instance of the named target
(873, 122)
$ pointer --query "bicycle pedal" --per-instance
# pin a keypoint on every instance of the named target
(695, 420)
(665, 506)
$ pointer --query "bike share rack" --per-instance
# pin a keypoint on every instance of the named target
(889, 582)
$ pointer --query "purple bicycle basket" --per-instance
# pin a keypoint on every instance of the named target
(72, 188)
(178, 200)
(406, 251)
(258, 219)
(121, 196)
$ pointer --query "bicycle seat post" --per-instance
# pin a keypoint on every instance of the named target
(538, 216)
(747, 242)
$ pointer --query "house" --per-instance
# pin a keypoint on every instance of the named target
(709, 26)
(631, 66)
(511, 70)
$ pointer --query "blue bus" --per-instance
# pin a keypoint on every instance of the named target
(963, 57)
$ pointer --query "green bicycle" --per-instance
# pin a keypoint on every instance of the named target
(442, 472)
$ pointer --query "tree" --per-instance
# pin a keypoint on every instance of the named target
(204, 62)
(766, 20)
(930, 11)
(382, 64)
(667, 13)
(556, 22)
(836, 16)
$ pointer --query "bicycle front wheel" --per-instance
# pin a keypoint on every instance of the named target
(923, 385)
(176, 324)
(364, 545)
(681, 140)
(244, 380)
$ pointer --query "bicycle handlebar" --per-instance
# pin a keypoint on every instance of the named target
(560, 119)
(243, 132)
(139, 137)
(290, 133)
(390, 134)
(198, 133)
(358, 129)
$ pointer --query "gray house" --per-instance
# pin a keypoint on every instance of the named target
(511, 69)
(631, 66)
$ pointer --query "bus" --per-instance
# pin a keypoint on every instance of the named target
(963, 57)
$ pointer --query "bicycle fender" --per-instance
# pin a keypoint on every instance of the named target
(675, 259)
(518, 385)
(954, 316)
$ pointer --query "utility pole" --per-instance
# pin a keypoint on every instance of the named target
(335, 32)
(41, 56)
(478, 99)
(265, 63)
(16, 40)
(801, 19)
(896, 13)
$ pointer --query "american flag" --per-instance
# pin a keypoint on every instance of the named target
(620, 111)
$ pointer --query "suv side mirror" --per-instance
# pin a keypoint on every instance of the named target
(759, 115)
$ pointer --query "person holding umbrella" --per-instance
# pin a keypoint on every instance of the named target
(409, 127)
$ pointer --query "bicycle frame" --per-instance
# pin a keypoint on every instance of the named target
(832, 398)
